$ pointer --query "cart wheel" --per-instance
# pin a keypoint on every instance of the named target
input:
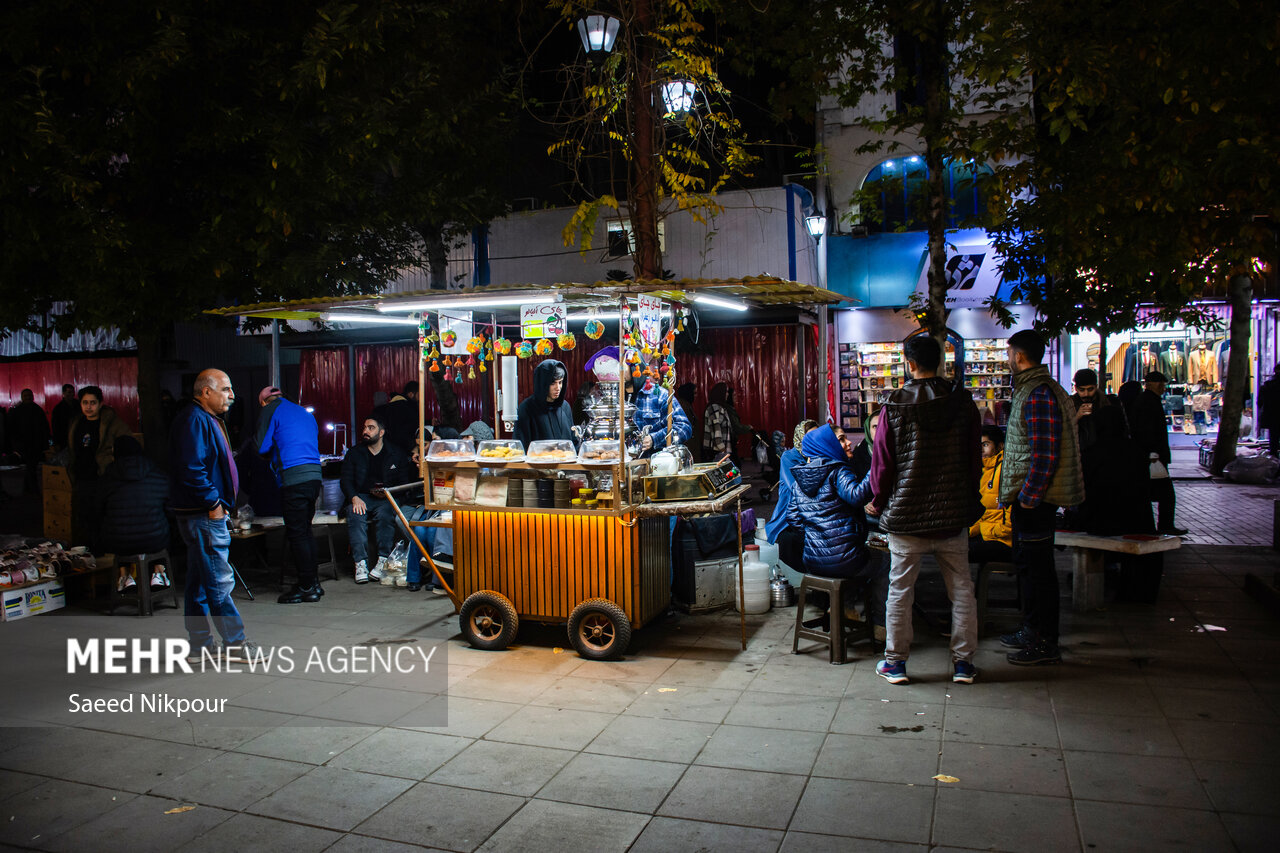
(488, 620)
(599, 630)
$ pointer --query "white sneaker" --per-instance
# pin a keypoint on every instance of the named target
(126, 584)
(362, 572)
(379, 571)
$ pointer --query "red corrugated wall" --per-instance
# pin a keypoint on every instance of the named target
(116, 376)
(760, 363)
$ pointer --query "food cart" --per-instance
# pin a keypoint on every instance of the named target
(601, 565)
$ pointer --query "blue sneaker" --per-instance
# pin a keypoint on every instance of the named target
(894, 673)
(964, 673)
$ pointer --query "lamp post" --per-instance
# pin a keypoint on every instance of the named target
(817, 225)
(678, 97)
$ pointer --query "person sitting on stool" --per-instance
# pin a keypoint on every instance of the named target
(370, 465)
(991, 537)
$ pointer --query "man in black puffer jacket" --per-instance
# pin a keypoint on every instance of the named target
(133, 494)
(925, 469)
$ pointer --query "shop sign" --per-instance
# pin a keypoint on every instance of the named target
(650, 320)
(973, 274)
(458, 322)
(543, 319)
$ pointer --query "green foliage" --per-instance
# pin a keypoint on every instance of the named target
(161, 158)
(1150, 175)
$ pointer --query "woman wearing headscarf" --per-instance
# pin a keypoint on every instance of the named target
(790, 540)
(827, 504)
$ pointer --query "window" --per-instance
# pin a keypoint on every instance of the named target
(621, 241)
(897, 190)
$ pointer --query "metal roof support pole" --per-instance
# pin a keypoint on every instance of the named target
(275, 353)
(824, 364)
(356, 427)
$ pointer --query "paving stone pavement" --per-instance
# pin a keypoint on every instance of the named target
(1156, 731)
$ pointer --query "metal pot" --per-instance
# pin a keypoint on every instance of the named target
(782, 592)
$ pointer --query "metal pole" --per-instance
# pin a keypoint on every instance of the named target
(351, 387)
(742, 587)
(824, 372)
(493, 376)
(275, 353)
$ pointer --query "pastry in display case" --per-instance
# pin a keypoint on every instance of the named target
(604, 452)
(551, 451)
(451, 450)
(498, 451)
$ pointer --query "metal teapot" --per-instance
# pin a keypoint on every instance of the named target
(781, 591)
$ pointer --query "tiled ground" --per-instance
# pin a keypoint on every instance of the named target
(1153, 733)
(1220, 513)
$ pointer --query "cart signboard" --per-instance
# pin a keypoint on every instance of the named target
(543, 319)
(650, 319)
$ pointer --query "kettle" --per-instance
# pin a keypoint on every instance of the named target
(674, 460)
(782, 593)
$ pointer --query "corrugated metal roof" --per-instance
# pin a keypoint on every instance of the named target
(759, 291)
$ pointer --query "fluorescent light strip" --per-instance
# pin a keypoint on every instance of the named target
(353, 317)
(719, 302)
(462, 304)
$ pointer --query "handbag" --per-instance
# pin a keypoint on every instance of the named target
(1158, 470)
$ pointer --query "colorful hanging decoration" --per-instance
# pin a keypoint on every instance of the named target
(567, 341)
(457, 376)
(524, 349)
(448, 374)
(435, 353)
(543, 347)
(482, 367)
(594, 329)
(475, 344)
(435, 366)
(471, 373)
(449, 338)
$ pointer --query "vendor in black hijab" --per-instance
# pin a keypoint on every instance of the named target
(545, 415)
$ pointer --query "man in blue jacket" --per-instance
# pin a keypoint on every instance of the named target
(203, 485)
(288, 435)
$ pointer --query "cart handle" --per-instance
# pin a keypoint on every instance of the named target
(408, 526)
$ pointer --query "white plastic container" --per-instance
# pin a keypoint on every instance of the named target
(768, 555)
(755, 583)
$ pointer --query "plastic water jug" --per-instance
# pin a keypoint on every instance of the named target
(755, 582)
(768, 554)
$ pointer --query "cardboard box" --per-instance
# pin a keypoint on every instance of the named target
(55, 478)
(21, 602)
(57, 527)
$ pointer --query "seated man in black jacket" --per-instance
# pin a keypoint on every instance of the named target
(371, 464)
(132, 495)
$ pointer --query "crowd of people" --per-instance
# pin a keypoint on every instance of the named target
(932, 479)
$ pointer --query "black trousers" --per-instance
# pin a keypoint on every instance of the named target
(989, 551)
(1162, 494)
(298, 506)
(1037, 579)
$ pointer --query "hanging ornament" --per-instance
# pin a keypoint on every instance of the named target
(448, 374)
(449, 338)
(567, 341)
(471, 373)
(543, 347)
(594, 329)
(475, 344)
(457, 376)
(633, 357)
(435, 367)
(435, 353)
(648, 384)
(471, 360)
(488, 353)
(502, 345)
(482, 367)
(524, 349)
(635, 373)
(670, 359)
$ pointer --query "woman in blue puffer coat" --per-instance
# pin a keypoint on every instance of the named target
(827, 504)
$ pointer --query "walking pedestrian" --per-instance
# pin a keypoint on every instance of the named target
(203, 483)
(1041, 473)
(289, 435)
(925, 467)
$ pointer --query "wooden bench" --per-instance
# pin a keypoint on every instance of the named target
(1088, 564)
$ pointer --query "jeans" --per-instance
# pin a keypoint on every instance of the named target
(1162, 494)
(1037, 577)
(378, 512)
(952, 553)
(298, 506)
(209, 581)
(413, 567)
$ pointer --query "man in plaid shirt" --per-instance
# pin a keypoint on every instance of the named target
(1041, 472)
(651, 411)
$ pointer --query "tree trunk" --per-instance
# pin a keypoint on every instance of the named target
(155, 437)
(642, 199)
(437, 255)
(933, 73)
(1241, 291)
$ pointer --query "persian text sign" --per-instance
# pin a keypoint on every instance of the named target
(542, 319)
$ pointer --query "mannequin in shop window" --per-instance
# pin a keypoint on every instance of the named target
(1173, 362)
(1202, 366)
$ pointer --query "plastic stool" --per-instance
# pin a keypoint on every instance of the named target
(837, 635)
(982, 587)
(144, 594)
